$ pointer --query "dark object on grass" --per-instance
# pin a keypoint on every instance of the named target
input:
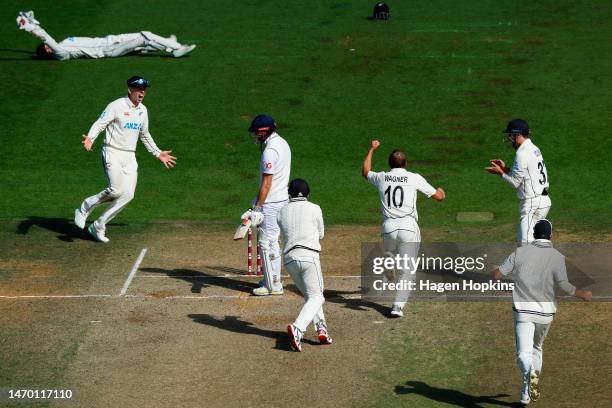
(381, 12)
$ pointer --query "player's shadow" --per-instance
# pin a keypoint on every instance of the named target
(234, 324)
(452, 397)
(67, 231)
(201, 280)
(8, 51)
(358, 304)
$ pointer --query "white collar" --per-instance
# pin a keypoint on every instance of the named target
(525, 143)
(274, 134)
(131, 104)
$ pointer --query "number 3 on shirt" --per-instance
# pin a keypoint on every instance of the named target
(394, 196)
(542, 169)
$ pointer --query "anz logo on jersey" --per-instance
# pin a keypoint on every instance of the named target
(132, 125)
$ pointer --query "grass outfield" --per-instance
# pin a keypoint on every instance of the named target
(440, 80)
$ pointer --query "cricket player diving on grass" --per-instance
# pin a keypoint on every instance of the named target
(537, 268)
(397, 189)
(528, 176)
(99, 47)
(274, 169)
(125, 121)
(301, 223)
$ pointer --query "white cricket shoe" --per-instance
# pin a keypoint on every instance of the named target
(295, 337)
(184, 50)
(29, 15)
(396, 311)
(98, 236)
(79, 218)
(323, 334)
(263, 291)
(534, 385)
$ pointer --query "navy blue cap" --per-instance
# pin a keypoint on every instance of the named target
(518, 126)
(138, 82)
(262, 123)
(299, 188)
(542, 229)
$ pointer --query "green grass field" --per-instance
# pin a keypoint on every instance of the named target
(440, 80)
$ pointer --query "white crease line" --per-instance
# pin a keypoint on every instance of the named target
(126, 285)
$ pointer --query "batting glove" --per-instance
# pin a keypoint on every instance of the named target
(246, 214)
(257, 217)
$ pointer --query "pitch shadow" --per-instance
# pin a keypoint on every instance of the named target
(452, 397)
(337, 296)
(234, 324)
(65, 227)
(200, 280)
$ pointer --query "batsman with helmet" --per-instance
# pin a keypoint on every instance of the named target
(274, 168)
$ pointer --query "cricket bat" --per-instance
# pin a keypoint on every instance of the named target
(242, 229)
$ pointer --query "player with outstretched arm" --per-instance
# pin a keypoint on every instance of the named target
(537, 268)
(125, 120)
(98, 47)
(397, 189)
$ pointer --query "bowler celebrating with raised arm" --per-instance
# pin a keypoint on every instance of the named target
(397, 189)
(124, 120)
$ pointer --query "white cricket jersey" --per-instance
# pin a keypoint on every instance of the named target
(124, 124)
(528, 174)
(398, 192)
(301, 223)
(536, 268)
(276, 160)
(87, 47)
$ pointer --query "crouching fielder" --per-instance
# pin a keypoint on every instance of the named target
(301, 224)
(536, 267)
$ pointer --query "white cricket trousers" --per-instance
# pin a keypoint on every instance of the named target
(268, 235)
(306, 273)
(529, 342)
(531, 211)
(122, 44)
(122, 172)
(403, 242)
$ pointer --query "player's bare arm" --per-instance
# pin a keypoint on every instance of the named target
(585, 295)
(87, 143)
(496, 274)
(367, 162)
(167, 159)
(264, 189)
(439, 195)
